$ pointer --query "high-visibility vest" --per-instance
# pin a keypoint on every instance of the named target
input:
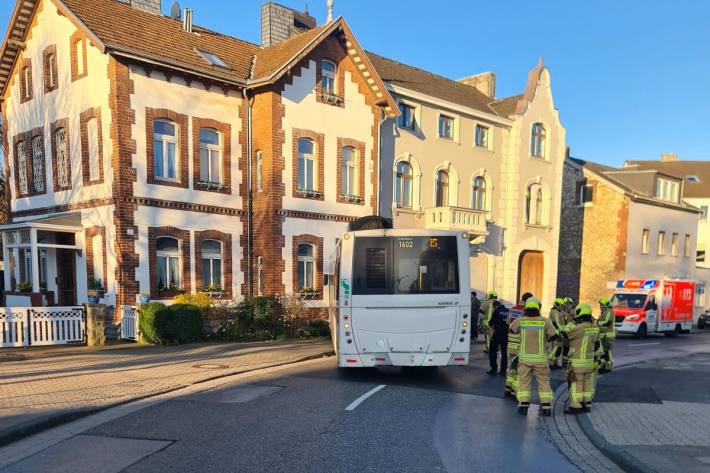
(534, 332)
(582, 339)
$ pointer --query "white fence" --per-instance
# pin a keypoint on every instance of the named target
(38, 326)
(129, 322)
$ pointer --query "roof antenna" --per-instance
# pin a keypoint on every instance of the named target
(330, 10)
(306, 10)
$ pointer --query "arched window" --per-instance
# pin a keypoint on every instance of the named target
(210, 156)
(306, 265)
(61, 156)
(211, 265)
(537, 141)
(168, 262)
(403, 185)
(165, 149)
(535, 205)
(442, 189)
(38, 163)
(328, 74)
(479, 193)
(306, 164)
(259, 170)
(349, 171)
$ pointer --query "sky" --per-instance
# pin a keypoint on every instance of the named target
(630, 78)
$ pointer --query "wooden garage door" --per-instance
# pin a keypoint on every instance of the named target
(530, 273)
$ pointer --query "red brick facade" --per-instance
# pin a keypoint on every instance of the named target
(317, 243)
(89, 234)
(226, 240)
(84, 118)
(49, 69)
(183, 238)
(61, 124)
(225, 133)
(180, 120)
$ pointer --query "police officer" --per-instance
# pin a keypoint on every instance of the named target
(499, 340)
(475, 313)
(557, 319)
(534, 331)
(583, 335)
(607, 334)
(487, 311)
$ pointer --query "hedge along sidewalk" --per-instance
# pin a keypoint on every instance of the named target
(51, 387)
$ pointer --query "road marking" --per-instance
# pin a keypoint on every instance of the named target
(644, 344)
(359, 400)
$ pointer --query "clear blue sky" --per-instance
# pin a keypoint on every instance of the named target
(630, 77)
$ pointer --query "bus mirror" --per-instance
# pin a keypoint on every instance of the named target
(326, 279)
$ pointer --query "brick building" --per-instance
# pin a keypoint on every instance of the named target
(621, 224)
(149, 155)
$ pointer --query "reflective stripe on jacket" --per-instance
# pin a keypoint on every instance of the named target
(582, 339)
(534, 332)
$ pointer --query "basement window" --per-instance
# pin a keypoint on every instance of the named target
(212, 59)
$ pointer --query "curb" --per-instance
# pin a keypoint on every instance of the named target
(31, 428)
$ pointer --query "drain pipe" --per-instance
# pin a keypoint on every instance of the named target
(250, 201)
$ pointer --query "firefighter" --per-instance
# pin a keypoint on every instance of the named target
(487, 311)
(511, 375)
(534, 332)
(607, 334)
(557, 319)
(583, 337)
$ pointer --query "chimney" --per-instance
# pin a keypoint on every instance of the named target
(152, 6)
(484, 82)
(279, 23)
(187, 20)
(669, 157)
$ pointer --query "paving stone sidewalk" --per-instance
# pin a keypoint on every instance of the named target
(40, 388)
(654, 417)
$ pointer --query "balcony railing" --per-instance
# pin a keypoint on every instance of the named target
(456, 218)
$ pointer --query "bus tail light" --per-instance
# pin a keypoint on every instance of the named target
(351, 360)
(382, 359)
(459, 358)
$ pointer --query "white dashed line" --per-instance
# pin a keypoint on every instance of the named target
(359, 400)
(644, 344)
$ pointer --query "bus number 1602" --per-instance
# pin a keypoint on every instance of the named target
(406, 244)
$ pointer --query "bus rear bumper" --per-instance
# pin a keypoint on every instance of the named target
(403, 359)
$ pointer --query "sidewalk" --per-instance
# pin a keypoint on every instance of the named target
(654, 417)
(40, 388)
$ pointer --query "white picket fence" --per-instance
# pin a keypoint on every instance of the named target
(129, 322)
(39, 326)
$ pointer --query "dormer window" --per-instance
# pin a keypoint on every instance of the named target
(212, 59)
(667, 189)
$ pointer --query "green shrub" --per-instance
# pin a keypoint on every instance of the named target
(268, 315)
(186, 324)
(152, 322)
(316, 328)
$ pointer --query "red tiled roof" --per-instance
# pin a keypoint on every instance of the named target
(269, 60)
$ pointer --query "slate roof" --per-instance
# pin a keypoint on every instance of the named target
(682, 169)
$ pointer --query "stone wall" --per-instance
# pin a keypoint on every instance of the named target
(571, 225)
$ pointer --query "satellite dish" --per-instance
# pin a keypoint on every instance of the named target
(175, 11)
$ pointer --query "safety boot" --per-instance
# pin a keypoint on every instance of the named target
(523, 410)
(546, 411)
(572, 410)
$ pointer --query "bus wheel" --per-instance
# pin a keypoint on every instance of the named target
(642, 331)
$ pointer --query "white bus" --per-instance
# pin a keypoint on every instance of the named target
(400, 298)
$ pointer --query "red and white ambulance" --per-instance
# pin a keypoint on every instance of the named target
(644, 306)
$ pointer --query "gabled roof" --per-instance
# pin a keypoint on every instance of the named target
(681, 169)
(120, 29)
(419, 80)
(506, 107)
(608, 174)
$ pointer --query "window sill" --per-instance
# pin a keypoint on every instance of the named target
(483, 148)
(535, 225)
(351, 199)
(309, 194)
(331, 99)
(211, 187)
(447, 140)
(540, 159)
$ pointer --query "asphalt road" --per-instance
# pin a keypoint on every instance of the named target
(316, 418)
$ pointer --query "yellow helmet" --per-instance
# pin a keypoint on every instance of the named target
(559, 301)
(532, 303)
(492, 295)
(605, 302)
(583, 309)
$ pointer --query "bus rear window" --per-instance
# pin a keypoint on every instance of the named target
(405, 265)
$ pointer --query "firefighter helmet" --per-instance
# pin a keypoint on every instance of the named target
(492, 295)
(583, 309)
(532, 303)
(604, 301)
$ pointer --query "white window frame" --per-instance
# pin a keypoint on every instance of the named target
(165, 140)
(488, 136)
(661, 243)
(259, 170)
(446, 192)
(330, 78)
(211, 259)
(399, 185)
(52, 70)
(454, 126)
(543, 141)
(304, 264)
(211, 149)
(645, 241)
(306, 158)
(580, 196)
(475, 193)
(349, 173)
(169, 255)
(38, 165)
(92, 135)
(414, 116)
